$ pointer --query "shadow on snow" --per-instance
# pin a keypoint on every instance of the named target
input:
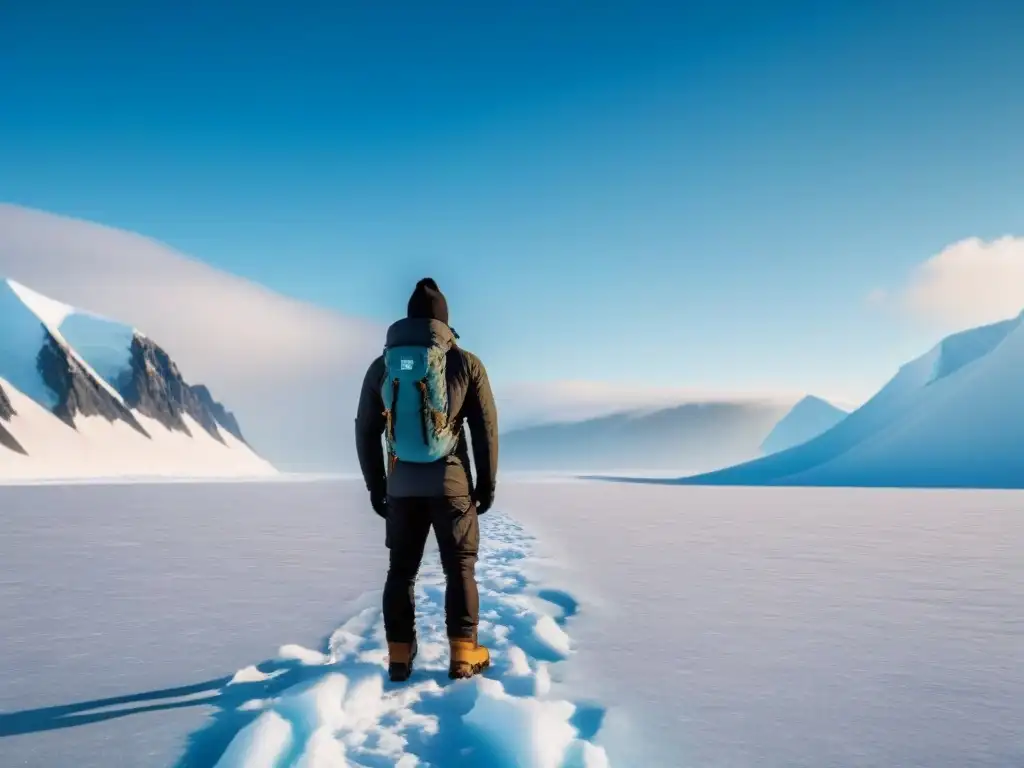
(355, 653)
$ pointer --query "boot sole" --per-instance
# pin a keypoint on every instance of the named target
(464, 670)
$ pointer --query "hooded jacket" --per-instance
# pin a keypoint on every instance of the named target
(471, 403)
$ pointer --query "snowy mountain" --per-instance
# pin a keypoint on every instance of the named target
(690, 437)
(290, 370)
(85, 396)
(809, 418)
(953, 417)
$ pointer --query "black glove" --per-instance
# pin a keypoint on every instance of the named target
(484, 500)
(379, 502)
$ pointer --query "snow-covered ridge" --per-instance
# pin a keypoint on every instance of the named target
(953, 417)
(86, 396)
(808, 419)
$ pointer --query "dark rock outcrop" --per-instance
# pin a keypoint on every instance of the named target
(7, 440)
(78, 393)
(223, 416)
(6, 409)
(154, 387)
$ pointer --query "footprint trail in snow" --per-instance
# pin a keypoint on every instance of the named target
(308, 709)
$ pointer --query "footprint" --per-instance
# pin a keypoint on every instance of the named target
(339, 709)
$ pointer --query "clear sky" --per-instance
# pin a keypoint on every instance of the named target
(693, 194)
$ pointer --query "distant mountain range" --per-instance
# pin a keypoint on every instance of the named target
(953, 417)
(86, 396)
(687, 437)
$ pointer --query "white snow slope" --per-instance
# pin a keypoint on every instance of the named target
(95, 447)
(808, 419)
(953, 417)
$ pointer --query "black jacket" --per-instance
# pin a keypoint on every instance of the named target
(471, 403)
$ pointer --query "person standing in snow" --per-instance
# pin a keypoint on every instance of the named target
(418, 395)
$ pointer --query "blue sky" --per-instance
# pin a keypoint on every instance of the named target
(702, 196)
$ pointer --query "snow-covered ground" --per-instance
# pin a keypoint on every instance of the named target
(122, 606)
(631, 625)
(102, 448)
(793, 627)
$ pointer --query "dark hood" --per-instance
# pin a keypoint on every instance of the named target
(416, 331)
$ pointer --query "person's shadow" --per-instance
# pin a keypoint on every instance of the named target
(97, 710)
(204, 746)
(237, 704)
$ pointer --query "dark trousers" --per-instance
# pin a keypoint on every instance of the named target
(458, 540)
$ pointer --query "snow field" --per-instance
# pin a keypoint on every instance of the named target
(309, 709)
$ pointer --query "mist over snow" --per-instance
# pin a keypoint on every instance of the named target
(687, 437)
(533, 403)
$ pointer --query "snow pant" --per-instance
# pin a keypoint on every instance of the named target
(457, 531)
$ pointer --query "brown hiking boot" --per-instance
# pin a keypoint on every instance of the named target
(468, 658)
(400, 658)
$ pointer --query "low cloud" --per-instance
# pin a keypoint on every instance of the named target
(971, 282)
(288, 368)
(523, 404)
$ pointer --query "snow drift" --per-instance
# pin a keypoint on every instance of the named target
(85, 396)
(953, 417)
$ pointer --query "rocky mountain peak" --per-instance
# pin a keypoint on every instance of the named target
(77, 392)
(223, 416)
(153, 385)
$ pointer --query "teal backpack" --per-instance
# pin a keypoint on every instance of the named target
(415, 393)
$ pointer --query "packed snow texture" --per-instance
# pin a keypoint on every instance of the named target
(308, 704)
(127, 609)
(684, 438)
(779, 627)
(338, 708)
(706, 626)
(808, 419)
(953, 417)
